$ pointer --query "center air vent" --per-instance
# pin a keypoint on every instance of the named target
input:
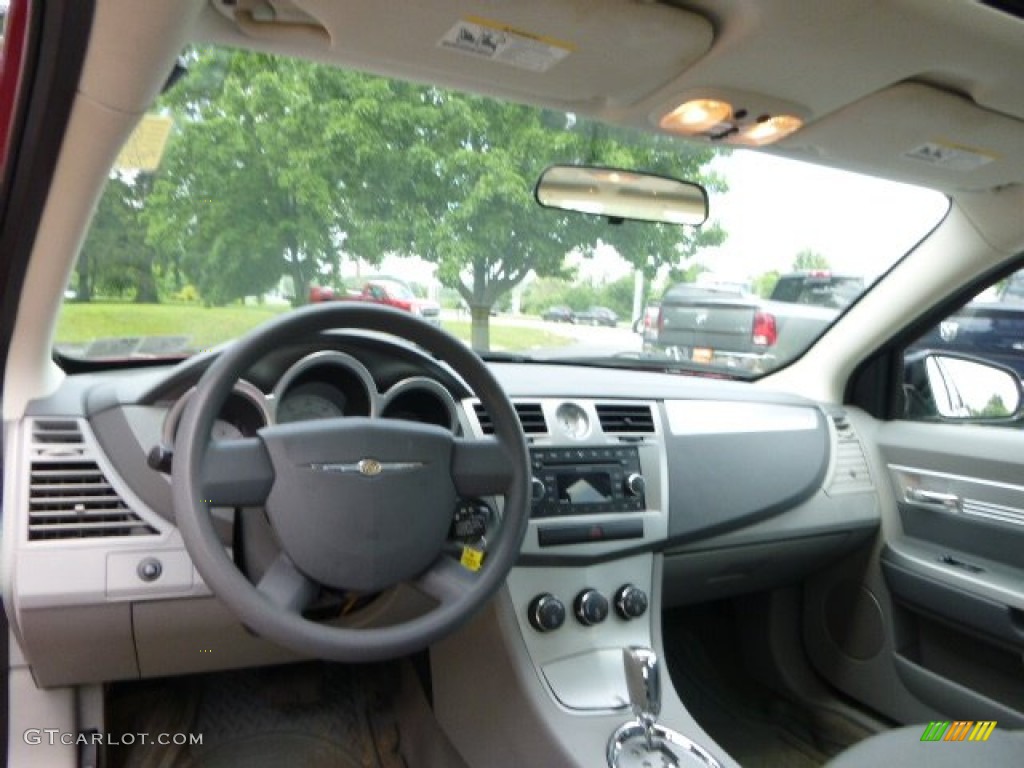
(530, 416)
(625, 418)
(851, 473)
(56, 432)
(69, 496)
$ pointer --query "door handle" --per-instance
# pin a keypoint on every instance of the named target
(949, 501)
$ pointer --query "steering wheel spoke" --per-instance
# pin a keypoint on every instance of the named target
(236, 473)
(447, 581)
(287, 587)
(481, 467)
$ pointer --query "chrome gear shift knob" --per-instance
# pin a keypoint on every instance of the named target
(643, 683)
(642, 743)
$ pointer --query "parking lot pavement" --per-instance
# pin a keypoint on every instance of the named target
(589, 339)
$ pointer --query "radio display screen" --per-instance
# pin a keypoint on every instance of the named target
(584, 487)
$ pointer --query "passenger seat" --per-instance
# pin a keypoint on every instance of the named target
(903, 748)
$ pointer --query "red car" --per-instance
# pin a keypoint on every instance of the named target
(389, 292)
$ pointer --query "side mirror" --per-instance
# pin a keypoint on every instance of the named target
(963, 388)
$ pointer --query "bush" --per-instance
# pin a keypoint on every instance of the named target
(189, 294)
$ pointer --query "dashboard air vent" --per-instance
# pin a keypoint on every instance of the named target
(530, 416)
(625, 418)
(69, 496)
(56, 432)
(851, 473)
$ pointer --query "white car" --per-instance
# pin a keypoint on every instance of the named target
(238, 533)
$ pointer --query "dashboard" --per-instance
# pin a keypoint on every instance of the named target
(729, 488)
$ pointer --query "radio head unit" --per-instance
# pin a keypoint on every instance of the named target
(586, 481)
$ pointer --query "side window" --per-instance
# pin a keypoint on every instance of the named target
(968, 367)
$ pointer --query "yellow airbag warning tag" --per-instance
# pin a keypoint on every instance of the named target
(145, 147)
(472, 559)
(505, 44)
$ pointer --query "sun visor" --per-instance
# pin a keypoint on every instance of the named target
(922, 135)
(598, 53)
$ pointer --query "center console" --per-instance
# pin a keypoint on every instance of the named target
(539, 678)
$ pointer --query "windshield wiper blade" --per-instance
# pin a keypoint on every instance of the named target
(508, 357)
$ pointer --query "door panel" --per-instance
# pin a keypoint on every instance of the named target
(947, 573)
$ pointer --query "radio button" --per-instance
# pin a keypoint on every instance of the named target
(537, 489)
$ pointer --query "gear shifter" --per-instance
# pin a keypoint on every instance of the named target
(642, 743)
(644, 686)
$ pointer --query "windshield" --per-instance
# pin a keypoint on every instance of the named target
(259, 184)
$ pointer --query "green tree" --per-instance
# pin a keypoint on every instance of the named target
(458, 191)
(115, 259)
(686, 274)
(995, 408)
(764, 284)
(810, 259)
(251, 188)
(465, 184)
(545, 292)
(618, 296)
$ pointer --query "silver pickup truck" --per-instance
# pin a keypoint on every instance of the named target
(723, 326)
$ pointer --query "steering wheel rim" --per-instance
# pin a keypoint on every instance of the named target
(207, 473)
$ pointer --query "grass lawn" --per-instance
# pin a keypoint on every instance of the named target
(209, 326)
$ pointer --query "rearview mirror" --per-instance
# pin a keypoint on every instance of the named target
(970, 389)
(620, 195)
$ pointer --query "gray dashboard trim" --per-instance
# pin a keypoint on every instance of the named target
(552, 380)
(124, 447)
(720, 417)
(727, 480)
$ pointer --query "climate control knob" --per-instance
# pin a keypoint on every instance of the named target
(546, 612)
(635, 484)
(590, 607)
(630, 602)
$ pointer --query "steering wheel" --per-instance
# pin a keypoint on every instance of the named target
(357, 504)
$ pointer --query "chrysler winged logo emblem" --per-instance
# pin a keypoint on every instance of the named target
(369, 467)
(366, 467)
